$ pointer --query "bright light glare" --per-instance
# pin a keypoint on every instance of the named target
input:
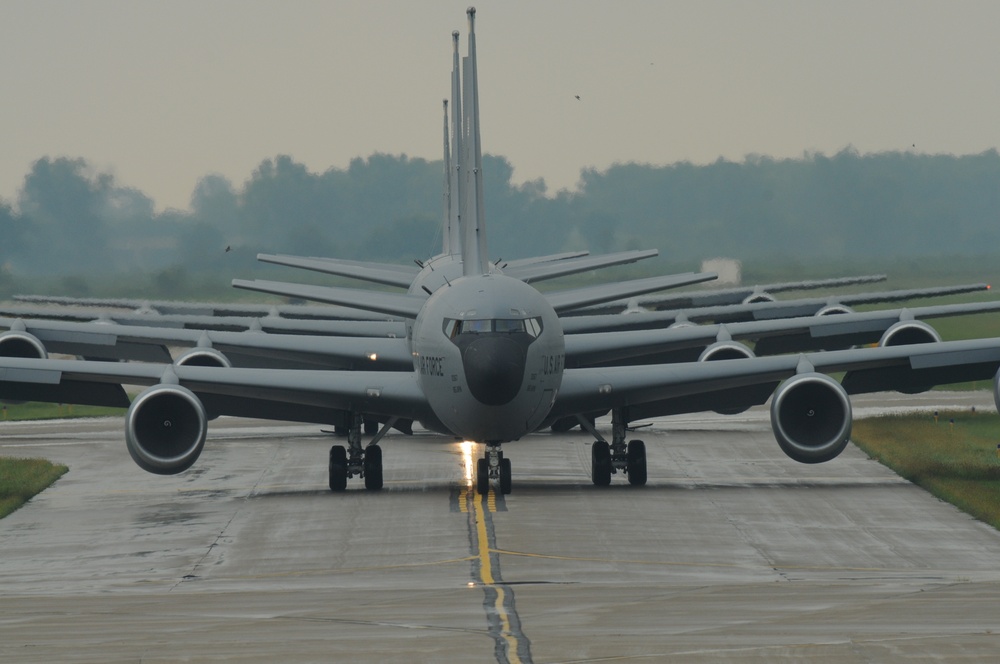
(373, 356)
(468, 458)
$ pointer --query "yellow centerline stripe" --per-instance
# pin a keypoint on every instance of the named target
(486, 576)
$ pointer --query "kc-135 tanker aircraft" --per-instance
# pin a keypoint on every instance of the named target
(482, 355)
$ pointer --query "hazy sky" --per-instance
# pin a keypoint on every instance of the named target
(163, 93)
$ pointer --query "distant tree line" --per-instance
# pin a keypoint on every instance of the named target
(69, 219)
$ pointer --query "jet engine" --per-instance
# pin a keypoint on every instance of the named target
(996, 389)
(834, 309)
(165, 429)
(907, 332)
(203, 357)
(757, 298)
(18, 343)
(811, 417)
(727, 350)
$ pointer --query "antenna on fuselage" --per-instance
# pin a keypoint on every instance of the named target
(473, 219)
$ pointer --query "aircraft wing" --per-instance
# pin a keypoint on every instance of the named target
(723, 296)
(655, 390)
(170, 307)
(573, 324)
(388, 275)
(286, 394)
(771, 337)
(273, 324)
(553, 269)
(393, 304)
(567, 300)
(109, 341)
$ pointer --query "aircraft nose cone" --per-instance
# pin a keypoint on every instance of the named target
(494, 369)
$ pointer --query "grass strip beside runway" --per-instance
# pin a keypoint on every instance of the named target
(22, 479)
(953, 455)
(35, 410)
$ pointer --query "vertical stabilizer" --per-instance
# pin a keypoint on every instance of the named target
(446, 196)
(455, 175)
(473, 220)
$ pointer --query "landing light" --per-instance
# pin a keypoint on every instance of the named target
(468, 450)
(372, 356)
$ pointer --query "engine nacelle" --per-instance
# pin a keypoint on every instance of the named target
(907, 332)
(165, 429)
(996, 389)
(755, 298)
(725, 350)
(203, 357)
(18, 343)
(834, 309)
(811, 417)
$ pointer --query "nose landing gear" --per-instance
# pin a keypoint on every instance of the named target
(493, 465)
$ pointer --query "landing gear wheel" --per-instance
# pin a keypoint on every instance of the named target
(505, 476)
(636, 457)
(600, 463)
(482, 477)
(373, 467)
(338, 468)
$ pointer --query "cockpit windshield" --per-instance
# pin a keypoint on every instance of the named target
(531, 326)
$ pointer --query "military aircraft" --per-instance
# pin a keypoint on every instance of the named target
(489, 364)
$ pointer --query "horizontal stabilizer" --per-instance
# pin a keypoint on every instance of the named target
(554, 269)
(378, 273)
(394, 304)
(563, 301)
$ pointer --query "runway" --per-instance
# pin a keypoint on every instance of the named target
(731, 552)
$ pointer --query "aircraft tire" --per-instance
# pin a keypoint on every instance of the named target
(338, 468)
(482, 477)
(505, 476)
(600, 463)
(636, 457)
(373, 468)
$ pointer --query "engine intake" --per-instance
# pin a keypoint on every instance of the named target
(996, 389)
(811, 417)
(203, 357)
(165, 429)
(834, 309)
(759, 298)
(727, 350)
(909, 332)
(17, 343)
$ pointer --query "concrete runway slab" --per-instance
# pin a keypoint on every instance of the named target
(731, 552)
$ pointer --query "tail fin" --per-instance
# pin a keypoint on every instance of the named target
(473, 224)
(455, 172)
(446, 195)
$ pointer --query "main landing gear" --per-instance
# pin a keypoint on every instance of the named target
(493, 465)
(355, 460)
(607, 459)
